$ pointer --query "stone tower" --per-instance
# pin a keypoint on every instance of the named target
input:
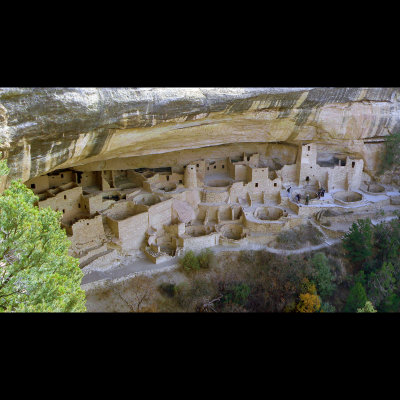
(190, 177)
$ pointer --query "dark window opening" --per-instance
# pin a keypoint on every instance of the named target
(79, 176)
(215, 166)
(223, 166)
(208, 168)
(62, 175)
(65, 197)
(197, 165)
(256, 184)
(248, 158)
(180, 181)
(63, 211)
(87, 223)
(167, 177)
(353, 164)
(308, 178)
(309, 148)
(275, 184)
(33, 186)
(79, 205)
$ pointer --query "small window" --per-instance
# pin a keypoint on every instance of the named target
(309, 148)
(197, 165)
(248, 158)
(62, 175)
(223, 166)
(63, 211)
(256, 185)
(79, 205)
(87, 223)
(215, 166)
(353, 164)
(180, 180)
(65, 197)
(33, 186)
(308, 178)
(208, 168)
(275, 184)
(167, 177)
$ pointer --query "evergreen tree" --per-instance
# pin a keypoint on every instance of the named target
(356, 298)
(322, 275)
(36, 273)
(358, 242)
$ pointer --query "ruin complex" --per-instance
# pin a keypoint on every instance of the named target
(163, 212)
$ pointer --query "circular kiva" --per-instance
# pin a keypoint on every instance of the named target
(170, 187)
(232, 231)
(219, 183)
(347, 196)
(268, 213)
(146, 199)
(375, 188)
(196, 231)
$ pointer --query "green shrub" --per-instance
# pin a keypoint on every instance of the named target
(205, 258)
(168, 289)
(238, 294)
(189, 261)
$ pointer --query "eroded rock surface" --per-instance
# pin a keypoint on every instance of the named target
(44, 129)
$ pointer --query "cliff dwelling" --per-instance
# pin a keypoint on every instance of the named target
(194, 203)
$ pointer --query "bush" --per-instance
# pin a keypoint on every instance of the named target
(168, 289)
(204, 258)
(238, 294)
(189, 261)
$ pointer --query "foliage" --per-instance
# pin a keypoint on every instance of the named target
(204, 258)
(167, 288)
(327, 308)
(36, 273)
(381, 284)
(308, 303)
(356, 298)
(358, 242)
(237, 293)
(322, 275)
(391, 155)
(391, 304)
(190, 262)
(368, 308)
(4, 170)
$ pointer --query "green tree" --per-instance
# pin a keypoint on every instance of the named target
(358, 242)
(391, 154)
(391, 304)
(381, 284)
(356, 298)
(322, 275)
(36, 273)
(368, 308)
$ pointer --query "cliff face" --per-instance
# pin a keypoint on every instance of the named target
(42, 129)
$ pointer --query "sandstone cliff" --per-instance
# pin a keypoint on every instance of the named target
(43, 129)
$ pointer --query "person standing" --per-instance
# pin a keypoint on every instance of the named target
(307, 199)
